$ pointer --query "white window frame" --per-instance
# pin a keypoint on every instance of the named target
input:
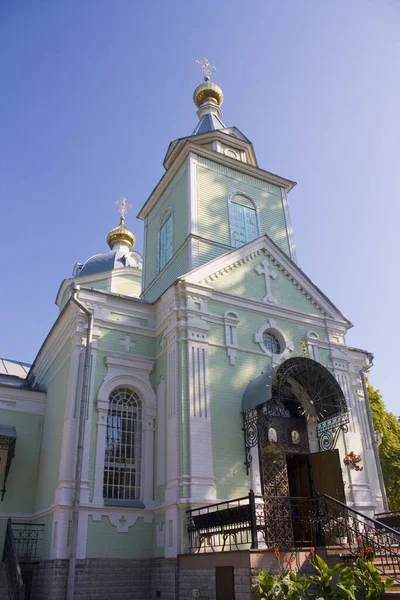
(166, 214)
(312, 339)
(121, 411)
(231, 200)
(132, 373)
(286, 345)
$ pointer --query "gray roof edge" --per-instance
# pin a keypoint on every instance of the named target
(258, 391)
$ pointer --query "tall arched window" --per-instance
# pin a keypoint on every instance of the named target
(243, 217)
(165, 241)
(123, 455)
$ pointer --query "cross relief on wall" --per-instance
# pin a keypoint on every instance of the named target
(266, 270)
(127, 343)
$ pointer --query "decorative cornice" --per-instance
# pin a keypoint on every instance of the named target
(251, 256)
(217, 157)
(263, 245)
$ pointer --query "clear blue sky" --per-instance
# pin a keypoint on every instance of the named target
(93, 92)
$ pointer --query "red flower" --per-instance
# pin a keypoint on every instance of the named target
(289, 562)
(360, 539)
(277, 553)
(312, 551)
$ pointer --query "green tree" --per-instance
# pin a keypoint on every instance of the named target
(389, 450)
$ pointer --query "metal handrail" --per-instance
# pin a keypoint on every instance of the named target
(192, 510)
(16, 587)
(388, 514)
(379, 524)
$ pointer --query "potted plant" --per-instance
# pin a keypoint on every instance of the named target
(351, 459)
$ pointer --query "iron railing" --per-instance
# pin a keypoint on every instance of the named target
(28, 539)
(224, 526)
(288, 522)
(360, 535)
(16, 588)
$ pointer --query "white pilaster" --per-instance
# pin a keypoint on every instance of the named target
(161, 433)
(173, 431)
(202, 481)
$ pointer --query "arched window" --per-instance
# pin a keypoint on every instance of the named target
(165, 241)
(243, 218)
(123, 454)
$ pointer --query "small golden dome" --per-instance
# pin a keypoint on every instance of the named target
(121, 234)
(208, 91)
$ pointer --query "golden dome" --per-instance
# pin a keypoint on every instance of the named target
(121, 234)
(208, 91)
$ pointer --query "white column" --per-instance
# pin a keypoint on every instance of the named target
(173, 432)
(202, 480)
(147, 470)
(160, 478)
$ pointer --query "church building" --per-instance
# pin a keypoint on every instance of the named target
(187, 407)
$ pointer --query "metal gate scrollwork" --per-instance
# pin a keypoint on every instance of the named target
(306, 389)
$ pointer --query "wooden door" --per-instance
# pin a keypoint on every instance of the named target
(327, 474)
(224, 583)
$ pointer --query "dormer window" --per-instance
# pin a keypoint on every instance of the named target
(243, 220)
(165, 241)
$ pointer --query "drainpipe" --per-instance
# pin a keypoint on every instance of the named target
(76, 492)
(372, 430)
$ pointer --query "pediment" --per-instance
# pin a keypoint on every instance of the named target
(229, 135)
(261, 272)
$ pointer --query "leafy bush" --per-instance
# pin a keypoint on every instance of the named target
(359, 582)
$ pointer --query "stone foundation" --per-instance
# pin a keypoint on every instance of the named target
(148, 579)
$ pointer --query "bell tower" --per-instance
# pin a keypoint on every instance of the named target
(212, 198)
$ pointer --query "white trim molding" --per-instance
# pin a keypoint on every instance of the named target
(289, 228)
(285, 343)
(231, 321)
(133, 373)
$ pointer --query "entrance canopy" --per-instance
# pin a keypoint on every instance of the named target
(258, 391)
(299, 387)
(300, 380)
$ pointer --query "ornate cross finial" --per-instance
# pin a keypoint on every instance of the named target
(123, 207)
(207, 68)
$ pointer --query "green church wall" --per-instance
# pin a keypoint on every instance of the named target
(243, 281)
(209, 251)
(104, 541)
(177, 266)
(22, 478)
(111, 340)
(216, 183)
(176, 197)
(50, 453)
(99, 284)
(128, 285)
(226, 420)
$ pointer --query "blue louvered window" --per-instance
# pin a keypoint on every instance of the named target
(165, 248)
(243, 224)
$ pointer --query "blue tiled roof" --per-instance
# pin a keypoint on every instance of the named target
(99, 263)
(208, 122)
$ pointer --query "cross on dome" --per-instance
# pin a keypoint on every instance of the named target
(123, 207)
(206, 68)
(120, 238)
